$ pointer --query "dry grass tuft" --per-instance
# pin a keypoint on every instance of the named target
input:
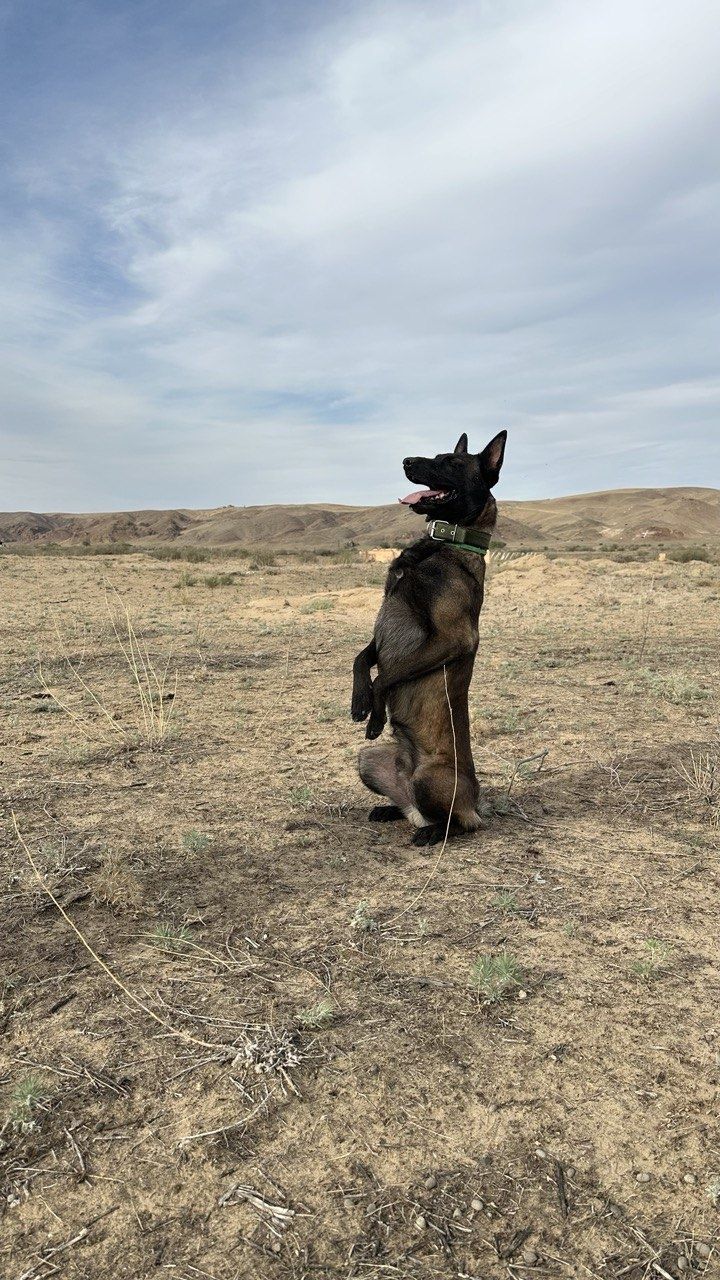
(703, 781)
(114, 885)
(154, 687)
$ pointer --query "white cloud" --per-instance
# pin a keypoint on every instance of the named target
(414, 220)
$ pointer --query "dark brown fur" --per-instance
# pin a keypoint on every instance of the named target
(424, 646)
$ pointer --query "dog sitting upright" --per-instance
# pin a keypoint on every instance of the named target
(424, 646)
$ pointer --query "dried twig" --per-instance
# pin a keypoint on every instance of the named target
(279, 1215)
(227, 1128)
(559, 1175)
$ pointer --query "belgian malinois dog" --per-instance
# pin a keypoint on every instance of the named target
(424, 646)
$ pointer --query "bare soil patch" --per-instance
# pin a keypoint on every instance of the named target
(333, 1093)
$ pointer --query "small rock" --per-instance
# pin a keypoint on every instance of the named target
(702, 1250)
(690, 1179)
(457, 1213)
(682, 1263)
(529, 1257)
(276, 1246)
(430, 1183)
(476, 1204)
(420, 1223)
(570, 1173)
(542, 1155)
(348, 1202)
(642, 1177)
(522, 995)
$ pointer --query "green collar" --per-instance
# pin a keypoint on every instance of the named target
(477, 540)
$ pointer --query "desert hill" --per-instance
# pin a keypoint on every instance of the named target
(623, 516)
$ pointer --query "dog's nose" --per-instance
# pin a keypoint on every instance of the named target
(408, 462)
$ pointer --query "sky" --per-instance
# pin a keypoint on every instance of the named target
(259, 252)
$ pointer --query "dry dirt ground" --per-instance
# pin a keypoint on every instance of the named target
(331, 1091)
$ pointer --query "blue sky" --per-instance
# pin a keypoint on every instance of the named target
(260, 252)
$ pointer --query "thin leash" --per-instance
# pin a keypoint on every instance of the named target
(174, 1031)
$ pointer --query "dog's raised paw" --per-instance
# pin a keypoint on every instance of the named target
(385, 813)
(360, 711)
(374, 728)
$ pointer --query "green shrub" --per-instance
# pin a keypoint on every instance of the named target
(320, 605)
(262, 558)
(683, 555)
(193, 555)
(494, 977)
(68, 549)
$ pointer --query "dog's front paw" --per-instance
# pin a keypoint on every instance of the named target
(362, 699)
(360, 707)
(375, 727)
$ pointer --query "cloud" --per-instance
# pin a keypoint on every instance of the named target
(298, 251)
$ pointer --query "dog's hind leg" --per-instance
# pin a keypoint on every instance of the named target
(385, 813)
(382, 771)
(434, 787)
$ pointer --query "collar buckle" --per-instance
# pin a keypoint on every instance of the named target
(443, 531)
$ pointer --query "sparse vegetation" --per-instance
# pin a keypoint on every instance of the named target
(656, 958)
(319, 605)
(262, 558)
(194, 554)
(153, 686)
(685, 555)
(301, 795)
(511, 722)
(317, 1015)
(26, 1102)
(170, 936)
(68, 550)
(195, 841)
(672, 686)
(495, 977)
(363, 921)
(231, 882)
(702, 776)
(115, 884)
(506, 901)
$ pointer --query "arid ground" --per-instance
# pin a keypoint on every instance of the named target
(370, 1061)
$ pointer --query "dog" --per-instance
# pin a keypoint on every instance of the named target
(424, 646)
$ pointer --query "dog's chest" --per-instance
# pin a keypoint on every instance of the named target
(397, 628)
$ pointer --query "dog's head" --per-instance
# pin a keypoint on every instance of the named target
(459, 483)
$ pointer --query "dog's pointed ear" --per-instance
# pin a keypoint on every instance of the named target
(491, 458)
(461, 446)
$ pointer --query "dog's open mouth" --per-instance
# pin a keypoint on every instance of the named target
(426, 495)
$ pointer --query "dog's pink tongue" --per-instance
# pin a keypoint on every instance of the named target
(412, 498)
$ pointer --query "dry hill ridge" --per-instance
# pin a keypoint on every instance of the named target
(623, 516)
